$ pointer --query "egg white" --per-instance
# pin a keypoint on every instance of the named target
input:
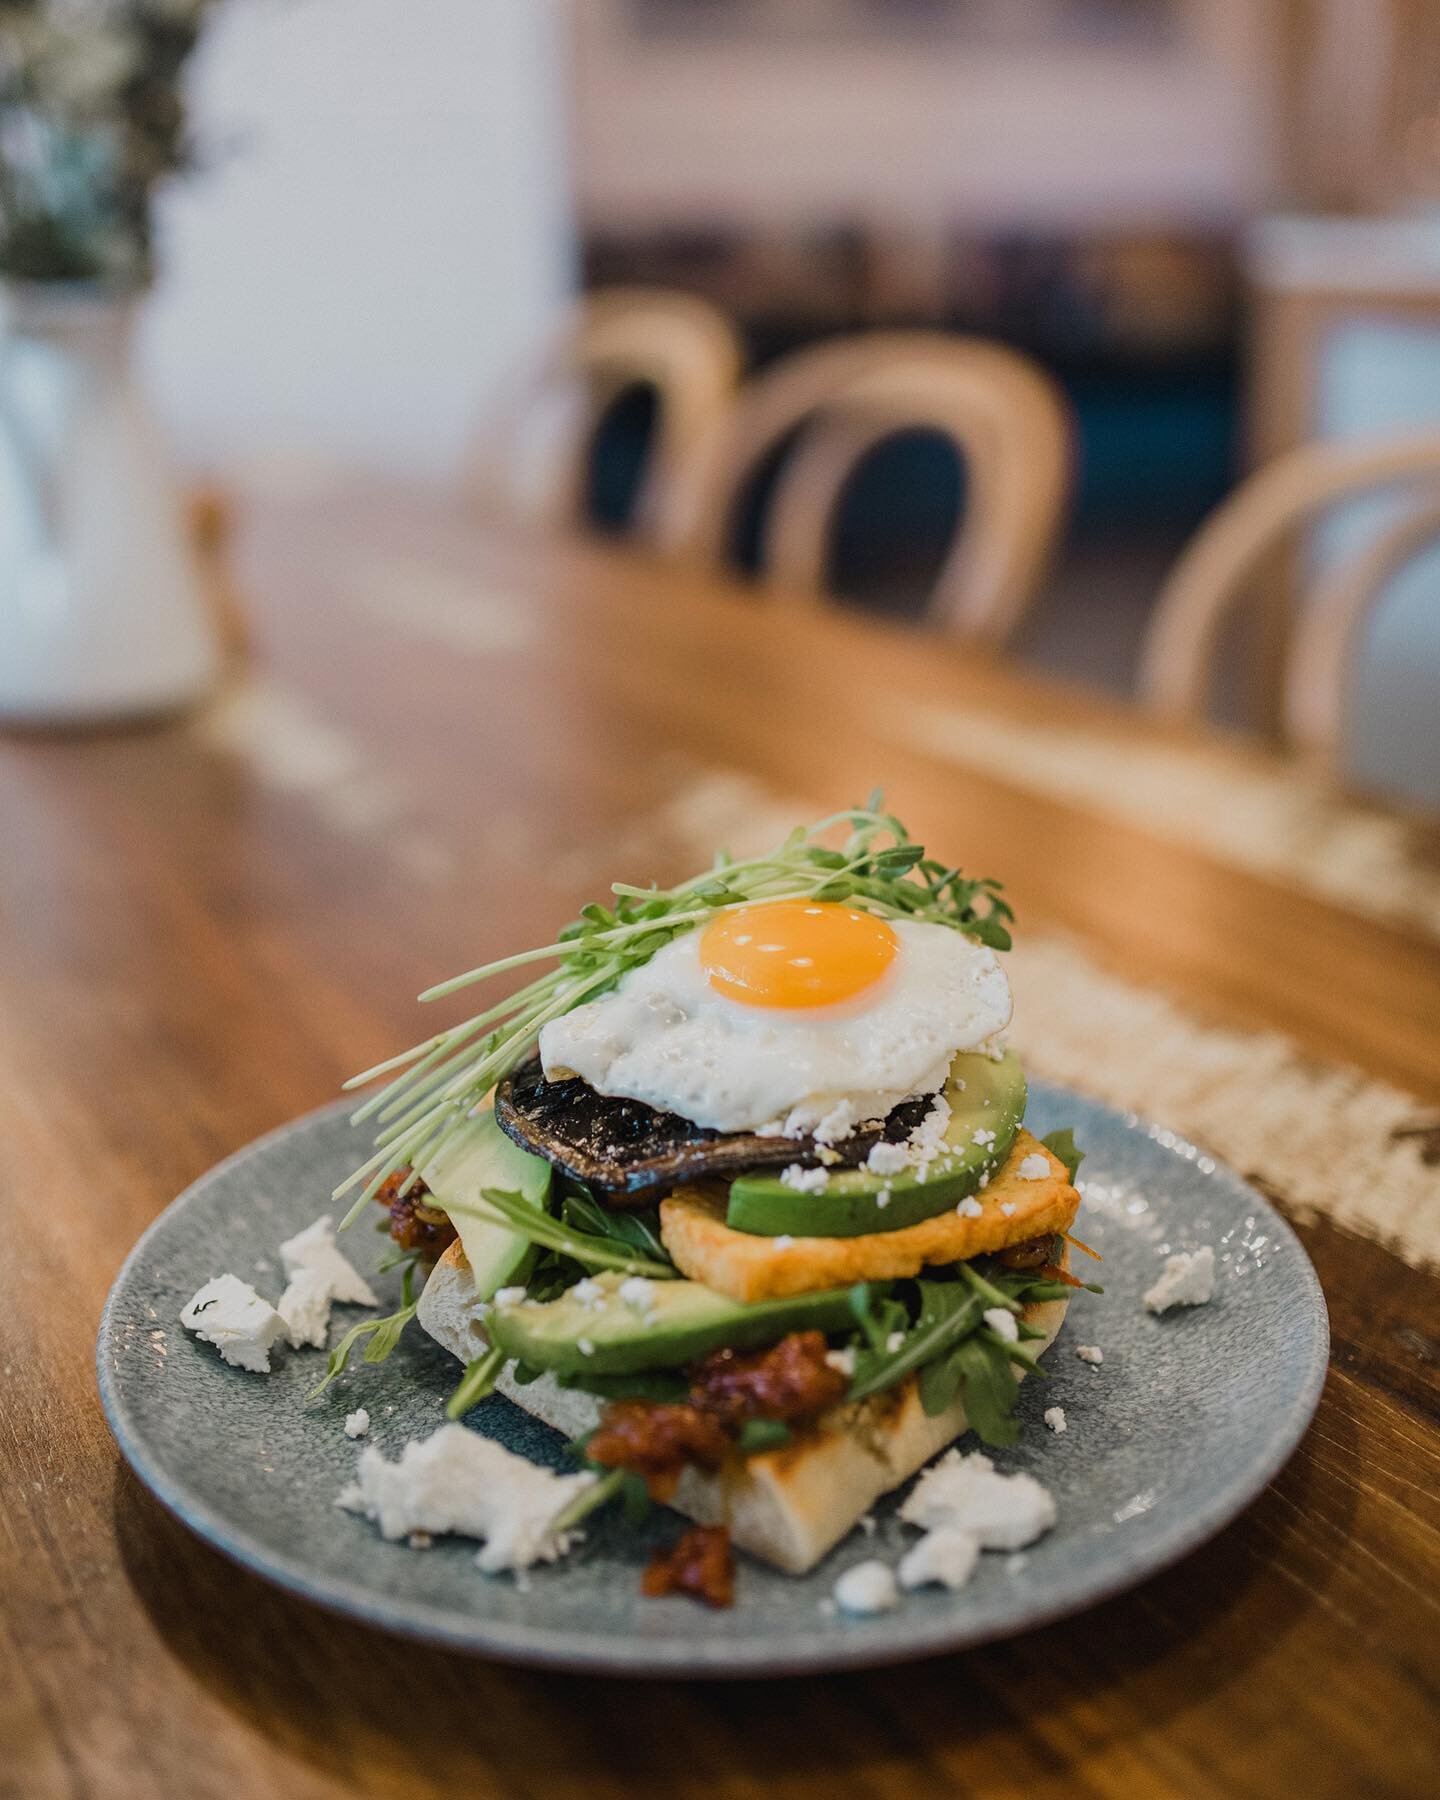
(663, 1035)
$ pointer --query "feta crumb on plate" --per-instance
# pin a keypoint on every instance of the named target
(1033, 1167)
(305, 1308)
(1002, 1322)
(357, 1423)
(457, 1481)
(1005, 1512)
(1090, 1353)
(314, 1249)
(1188, 1279)
(1055, 1419)
(868, 1587)
(946, 1556)
(228, 1313)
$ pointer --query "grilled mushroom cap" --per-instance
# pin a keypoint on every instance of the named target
(626, 1151)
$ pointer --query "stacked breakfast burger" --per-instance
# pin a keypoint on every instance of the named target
(739, 1194)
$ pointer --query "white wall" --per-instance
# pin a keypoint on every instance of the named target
(385, 228)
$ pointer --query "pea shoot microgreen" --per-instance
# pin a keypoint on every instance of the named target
(435, 1088)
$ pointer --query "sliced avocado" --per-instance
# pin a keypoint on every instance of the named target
(486, 1158)
(984, 1095)
(666, 1326)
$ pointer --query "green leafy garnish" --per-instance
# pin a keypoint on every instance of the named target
(1063, 1145)
(437, 1086)
(668, 1385)
(638, 1230)
(587, 1249)
(477, 1381)
(384, 1335)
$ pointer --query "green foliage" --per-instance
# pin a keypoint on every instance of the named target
(1063, 1145)
(440, 1082)
(382, 1334)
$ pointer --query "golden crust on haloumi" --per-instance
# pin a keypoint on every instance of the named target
(748, 1267)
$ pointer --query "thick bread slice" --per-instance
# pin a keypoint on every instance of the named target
(1009, 1210)
(787, 1506)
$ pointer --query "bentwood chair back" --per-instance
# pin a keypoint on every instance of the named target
(845, 397)
(534, 453)
(1215, 575)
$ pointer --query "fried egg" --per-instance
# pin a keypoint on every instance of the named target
(794, 1016)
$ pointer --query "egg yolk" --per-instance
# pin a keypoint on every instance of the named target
(795, 952)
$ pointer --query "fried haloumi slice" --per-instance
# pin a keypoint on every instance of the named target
(747, 1267)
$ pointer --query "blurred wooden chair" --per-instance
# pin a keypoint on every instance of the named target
(1329, 638)
(533, 454)
(846, 396)
(1214, 575)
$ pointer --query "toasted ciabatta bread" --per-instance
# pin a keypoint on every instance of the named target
(786, 1506)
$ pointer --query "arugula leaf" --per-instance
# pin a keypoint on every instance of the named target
(990, 1387)
(384, 1334)
(948, 1310)
(635, 1230)
(477, 1381)
(1063, 1145)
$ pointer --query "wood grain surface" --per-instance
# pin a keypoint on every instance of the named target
(451, 736)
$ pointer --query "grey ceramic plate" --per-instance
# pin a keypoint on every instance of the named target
(1184, 1423)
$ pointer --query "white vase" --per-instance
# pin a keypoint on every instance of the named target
(102, 616)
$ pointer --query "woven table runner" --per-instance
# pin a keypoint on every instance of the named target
(1321, 1139)
(1285, 821)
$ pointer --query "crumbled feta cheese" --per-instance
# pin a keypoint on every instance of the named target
(305, 1308)
(868, 1587)
(843, 1360)
(1188, 1279)
(970, 1208)
(1002, 1322)
(357, 1423)
(894, 1341)
(946, 1556)
(351, 1498)
(314, 1248)
(783, 1242)
(457, 1481)
(585, 1347)
(509, 1296)
(1055, 1419)
(927, 1140)
(1008, 1208)
(882, 1199)
(1090, 1353)
(887, 1159)
(228, 1313)
(1034, 1167)
(838, 1123)
(1004, 1512)
(805, 1181)
(637, 1291)
(981, 1136)
(588, 1292)
(827, 1156)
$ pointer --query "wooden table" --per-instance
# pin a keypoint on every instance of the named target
(449, 733)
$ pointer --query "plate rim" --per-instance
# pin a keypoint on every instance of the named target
(592, 1653)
